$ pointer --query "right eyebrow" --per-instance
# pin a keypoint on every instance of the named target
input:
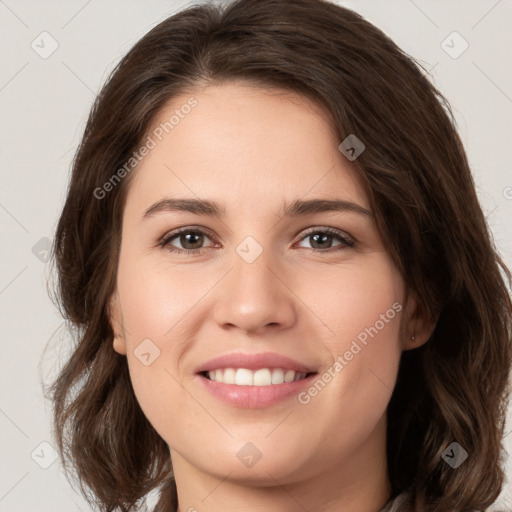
(199, 207)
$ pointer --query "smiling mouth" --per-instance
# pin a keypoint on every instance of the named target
(260, 377)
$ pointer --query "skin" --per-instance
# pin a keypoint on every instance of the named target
(252, 150)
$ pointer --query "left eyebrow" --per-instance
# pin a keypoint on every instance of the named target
(295, 209)
(299, 207)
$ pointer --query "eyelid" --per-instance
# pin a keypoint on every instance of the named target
(165, 241)
(330, 230)
(184, 229)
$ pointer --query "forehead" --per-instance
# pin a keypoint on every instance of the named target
(246, 145)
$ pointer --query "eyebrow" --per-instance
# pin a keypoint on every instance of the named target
(295, 209)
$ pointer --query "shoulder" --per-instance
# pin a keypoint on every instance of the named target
(404, 502)
(401, 503)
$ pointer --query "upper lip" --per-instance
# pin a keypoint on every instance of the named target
(253, 362)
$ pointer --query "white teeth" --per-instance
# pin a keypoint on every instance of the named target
(243, 377)
(277, 376)
(289, 376)
(261, 377)
(229, 376)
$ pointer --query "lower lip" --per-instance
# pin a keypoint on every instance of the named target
(254, 397)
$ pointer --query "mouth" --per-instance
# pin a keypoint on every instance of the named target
(256, 377)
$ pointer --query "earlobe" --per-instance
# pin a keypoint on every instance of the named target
(418, 326)
(119, 345)
(114, 314)
(416, 340)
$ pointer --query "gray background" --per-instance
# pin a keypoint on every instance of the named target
(44, 103)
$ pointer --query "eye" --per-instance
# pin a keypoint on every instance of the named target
(190, 239)
(323, 237)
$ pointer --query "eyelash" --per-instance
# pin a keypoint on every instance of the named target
(346, 241)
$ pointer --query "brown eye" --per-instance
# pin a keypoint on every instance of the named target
(191, 240)
(322, 239)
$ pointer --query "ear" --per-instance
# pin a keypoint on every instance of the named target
(418, 325)
(116, 322)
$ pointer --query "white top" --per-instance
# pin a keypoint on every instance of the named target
(401, 503)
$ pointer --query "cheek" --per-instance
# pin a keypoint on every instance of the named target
(155, 296)
(160, 304)
(362, 301)
(362, 312)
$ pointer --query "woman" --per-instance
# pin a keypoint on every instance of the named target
(223, 353)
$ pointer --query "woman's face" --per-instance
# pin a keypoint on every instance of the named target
(309, 294)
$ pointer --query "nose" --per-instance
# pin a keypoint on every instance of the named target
(255, 296)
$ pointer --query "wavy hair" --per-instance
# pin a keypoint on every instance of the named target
(416, 174)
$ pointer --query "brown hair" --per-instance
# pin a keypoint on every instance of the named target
(453, 388)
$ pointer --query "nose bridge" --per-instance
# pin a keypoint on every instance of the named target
(253, 294)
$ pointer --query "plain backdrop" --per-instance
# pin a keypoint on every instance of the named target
(45, 99)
